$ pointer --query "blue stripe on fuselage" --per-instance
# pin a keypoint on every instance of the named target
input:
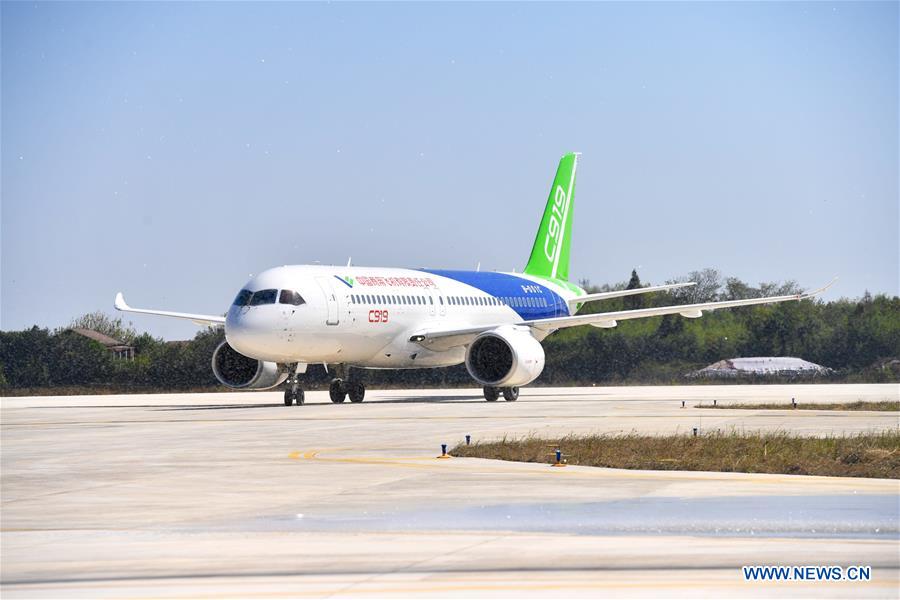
(517, 292)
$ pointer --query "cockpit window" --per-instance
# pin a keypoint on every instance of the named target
(291, 297)
(263, 297)
(243, 298)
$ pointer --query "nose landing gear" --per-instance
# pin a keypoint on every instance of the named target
(291, 396)
(294, 393)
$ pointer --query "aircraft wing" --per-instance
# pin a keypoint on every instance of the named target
(212, 320)
(445, 339)
(619, 293)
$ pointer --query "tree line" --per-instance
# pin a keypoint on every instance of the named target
(859, 339)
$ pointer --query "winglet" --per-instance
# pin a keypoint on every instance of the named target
(120, 302)
(818, 291)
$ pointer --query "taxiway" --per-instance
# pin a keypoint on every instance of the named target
(239, 495)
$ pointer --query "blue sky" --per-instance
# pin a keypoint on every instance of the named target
(169, 150)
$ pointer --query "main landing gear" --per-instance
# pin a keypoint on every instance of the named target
(344, 386)
(510, 394)
(340, 389)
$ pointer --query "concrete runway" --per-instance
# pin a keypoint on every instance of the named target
(237, 495)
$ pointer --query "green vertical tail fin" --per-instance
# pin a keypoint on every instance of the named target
(550, 254)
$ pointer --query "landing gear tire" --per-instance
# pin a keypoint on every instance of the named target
(291, 396)
(511, 394)
(337, 391)
(491, 393)
(356, 390)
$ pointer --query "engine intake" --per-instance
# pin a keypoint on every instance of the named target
(237, 371)
(506, 356)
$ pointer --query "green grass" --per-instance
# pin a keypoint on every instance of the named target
(862, 455)
(880, 405)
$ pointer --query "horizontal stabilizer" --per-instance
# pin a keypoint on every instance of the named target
(620, 293)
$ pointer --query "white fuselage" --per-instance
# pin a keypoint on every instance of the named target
(365, 316)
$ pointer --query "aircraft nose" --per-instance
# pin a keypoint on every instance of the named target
(245, 332)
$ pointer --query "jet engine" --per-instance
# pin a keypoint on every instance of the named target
(242, 372)
(505, 357)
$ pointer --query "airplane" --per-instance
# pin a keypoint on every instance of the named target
(353, 318)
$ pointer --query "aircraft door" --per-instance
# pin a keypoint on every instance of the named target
(331, 299)
(432, 303)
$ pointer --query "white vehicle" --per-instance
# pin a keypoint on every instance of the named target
(384, 318)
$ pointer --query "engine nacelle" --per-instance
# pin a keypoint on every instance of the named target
(505, 357)
(237, 371)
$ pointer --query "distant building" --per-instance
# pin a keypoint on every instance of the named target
(760, 366)
(118, 348)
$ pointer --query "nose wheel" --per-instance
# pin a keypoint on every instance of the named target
(293, 393)
(291, 396)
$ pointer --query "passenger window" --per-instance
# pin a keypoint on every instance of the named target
(430, 300)
(243, 298)
(291, 297)
(263, 297)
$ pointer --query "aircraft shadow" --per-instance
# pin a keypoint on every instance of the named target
(389, 400)
(425, 399)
